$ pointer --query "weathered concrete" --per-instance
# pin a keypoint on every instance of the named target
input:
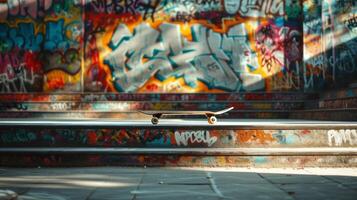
(234, 142)
(177, 183)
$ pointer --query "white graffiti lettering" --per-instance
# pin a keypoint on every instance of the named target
(32, 8)
(191, 137)
(219, 60)
(255, 8)
(15, 79)
(60, 106)
(340, 137)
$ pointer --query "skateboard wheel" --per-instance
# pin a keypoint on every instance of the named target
(212, 120)
(154, 120)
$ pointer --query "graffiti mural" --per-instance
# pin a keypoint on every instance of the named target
(175, 137)
(175, 46)
(191, 46)
(329, 43)
(40, 45)
(202, 58)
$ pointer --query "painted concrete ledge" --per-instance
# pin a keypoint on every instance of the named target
(323, 151)
(271, 124)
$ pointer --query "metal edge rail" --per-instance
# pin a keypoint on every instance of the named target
(180, 124)
(318, 151)
(166, 101)
(327, 110)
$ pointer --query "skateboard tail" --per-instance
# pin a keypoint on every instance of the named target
(224, 111)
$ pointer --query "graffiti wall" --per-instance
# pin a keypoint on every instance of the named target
(192, 45)
(149, 46)
(72, 160)
(176, 137)
(329, 43)
(40, 45)
(176, 45)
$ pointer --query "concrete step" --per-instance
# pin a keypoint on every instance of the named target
(350, 102)
(339, 94)
(339, 114)
(156, 97)
(191, 142)
(334, 99)
(261, 105)
(133, 106)
(134, 115)
(332, 151)
(124, 106)
(171, 137)
(89, 160)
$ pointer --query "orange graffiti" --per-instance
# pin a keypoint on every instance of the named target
(57, 80)
(254, 136)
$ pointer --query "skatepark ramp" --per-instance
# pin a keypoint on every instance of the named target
(93, 130)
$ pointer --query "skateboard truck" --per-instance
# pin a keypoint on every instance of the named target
(155, 118)
(211, 116)
(211, 119)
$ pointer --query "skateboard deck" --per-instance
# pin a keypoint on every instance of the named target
(157, 114)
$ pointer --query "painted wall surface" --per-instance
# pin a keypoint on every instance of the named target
(176, 45)
(192, 45)
(125, 105)
(73, 160)
(330, 31)
(144, 137)
(40, 45)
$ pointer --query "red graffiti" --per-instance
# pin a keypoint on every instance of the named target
(92, 137)
(55, 83)
(32, 62)
(95, 74)
(270, 44)
(152, 87)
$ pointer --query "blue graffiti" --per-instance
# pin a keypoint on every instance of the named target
(31, 41)
(160, 142)
(26, 37)
(22, 37)
(286, 137)
(218, 60)
(55, 38)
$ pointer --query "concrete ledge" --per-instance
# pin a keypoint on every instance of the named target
(327, 151)
(181, 124)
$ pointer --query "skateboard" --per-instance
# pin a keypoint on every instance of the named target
(157, 114)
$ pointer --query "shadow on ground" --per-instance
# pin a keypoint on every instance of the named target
(177, 183)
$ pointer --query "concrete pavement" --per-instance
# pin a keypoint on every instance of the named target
(177, 183)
